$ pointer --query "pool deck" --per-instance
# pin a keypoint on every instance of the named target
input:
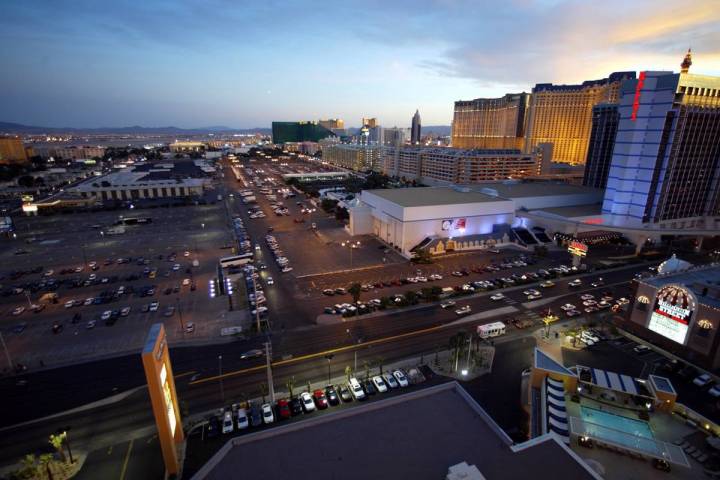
(665, 427)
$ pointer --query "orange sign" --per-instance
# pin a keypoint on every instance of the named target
(161, 386)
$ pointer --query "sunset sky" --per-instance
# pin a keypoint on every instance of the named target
(246, 63)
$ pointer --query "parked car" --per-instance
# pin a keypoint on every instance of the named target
(295, 406)
(332, 395)
(267, 414)
(380, 384)
(356, 389)
(497, 296)
(320, 399)
(283, 409)
(255, 416)
(401, 378)
(702, 380)
(255, 353)
(228, 426)
(390, 380)
(307, 402)
(345, 394)
(641, 349)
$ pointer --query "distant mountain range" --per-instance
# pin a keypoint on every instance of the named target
(441, 130)
(8, 127)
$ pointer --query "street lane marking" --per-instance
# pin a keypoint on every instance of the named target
(192, 372)
(321, 354)
(127, 459)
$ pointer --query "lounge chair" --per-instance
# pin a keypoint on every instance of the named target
(690, 450)
(696, 454)
(679, 442)
(702, 458)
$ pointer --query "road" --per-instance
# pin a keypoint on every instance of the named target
(298, 353)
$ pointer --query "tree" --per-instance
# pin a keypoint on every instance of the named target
(290, 384)
(328, 204)
(411, 297)
(380, 364)
(355, 290)
(29, 466)
(427, 294)
(263, 391)
(57, 442)
(384, 302)
(367, 369)
(26, 181)
(46, 459)
(341, 213)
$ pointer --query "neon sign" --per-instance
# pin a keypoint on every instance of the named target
(674, 307)
(636, 100)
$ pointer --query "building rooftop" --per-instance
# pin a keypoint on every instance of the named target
(428, 196)
(532, 189)
(574, 211)
(416, 435)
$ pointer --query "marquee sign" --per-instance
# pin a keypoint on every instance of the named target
(578, 249)
(672, 312)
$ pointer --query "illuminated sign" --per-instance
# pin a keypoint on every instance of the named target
(593, 221)
(705, 324)
(163, 397)
(457, 224)
(672, 313)
(578, 249)
(643, 299)
(636, 100)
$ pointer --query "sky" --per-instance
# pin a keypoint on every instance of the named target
(243, 64)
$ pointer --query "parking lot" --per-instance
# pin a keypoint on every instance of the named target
(93, 271)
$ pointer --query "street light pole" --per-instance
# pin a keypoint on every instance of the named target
(329, 357)
(222, 391)
(268, 362)
(177, 303)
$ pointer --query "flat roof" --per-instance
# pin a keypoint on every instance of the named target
(575, 211)
(531, 189)
(429, 196)
(417, 435)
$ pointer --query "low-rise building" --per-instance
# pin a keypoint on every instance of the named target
(353, 157)
(184, 147)
(148, 181)
(443, 165)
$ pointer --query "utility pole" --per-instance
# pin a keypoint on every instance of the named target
(7, 352)
(268, 362)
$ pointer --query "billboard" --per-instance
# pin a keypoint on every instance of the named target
(578, 249)
(161, 386)
(454, 224)
(672, 313)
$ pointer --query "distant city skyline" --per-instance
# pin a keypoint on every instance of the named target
(192, 64)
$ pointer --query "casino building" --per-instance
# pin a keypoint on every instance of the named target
(679, 311)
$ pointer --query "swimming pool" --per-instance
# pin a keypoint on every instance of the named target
(618, 429)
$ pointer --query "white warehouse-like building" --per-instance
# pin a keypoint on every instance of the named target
(403, 217)
(406, 218)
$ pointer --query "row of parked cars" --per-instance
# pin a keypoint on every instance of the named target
(254, 414)
(280, 258)
(242, 237)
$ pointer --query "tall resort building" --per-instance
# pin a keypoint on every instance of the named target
(665, 167)
(605, 120)
(562, 115)
(415, 129)
(490, 123)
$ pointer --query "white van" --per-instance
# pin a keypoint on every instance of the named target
(356, 389)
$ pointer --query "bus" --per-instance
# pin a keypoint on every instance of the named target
(236, 260)
(491, 330)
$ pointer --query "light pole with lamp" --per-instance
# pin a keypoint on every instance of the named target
(357, 341)
(351, 245)
(329, 357)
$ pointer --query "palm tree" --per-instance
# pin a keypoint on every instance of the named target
(263, 391)
(290, 384)
(355, 290)
(46, 459)
(380, 364)
(367, 370)
(57, 442)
